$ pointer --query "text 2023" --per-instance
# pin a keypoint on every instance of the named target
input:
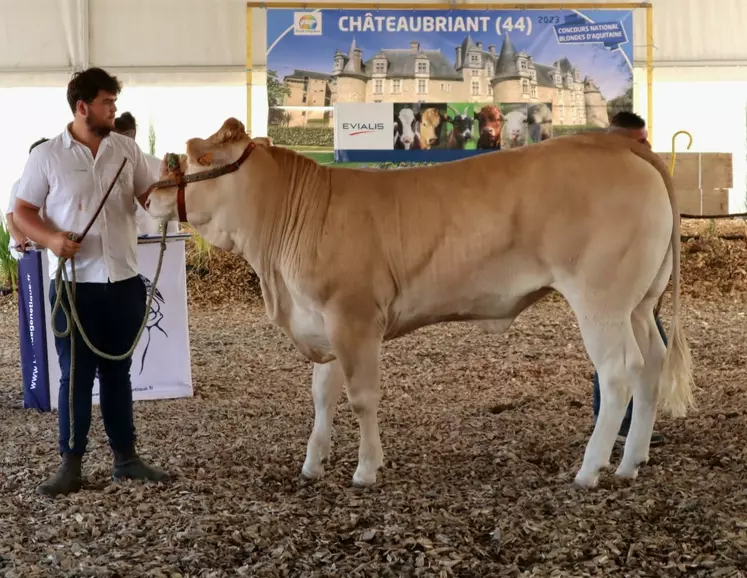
(548, 19)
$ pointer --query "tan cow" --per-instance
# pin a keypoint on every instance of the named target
(350, 258)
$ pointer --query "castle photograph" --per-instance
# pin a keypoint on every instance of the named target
(474, 73)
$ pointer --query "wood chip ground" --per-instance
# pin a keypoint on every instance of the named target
(482, 436)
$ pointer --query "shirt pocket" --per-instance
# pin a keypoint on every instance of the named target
(123, 191)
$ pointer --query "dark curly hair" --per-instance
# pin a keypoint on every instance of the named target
(125, 122)
(86, 84)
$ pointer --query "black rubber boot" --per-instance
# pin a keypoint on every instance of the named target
(68, 478)
(129, 466)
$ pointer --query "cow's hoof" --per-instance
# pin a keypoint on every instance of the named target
(584, 481)
(626, 473)
(312, 473)
(361, 480)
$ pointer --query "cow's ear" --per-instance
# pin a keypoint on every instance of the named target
(205, 154)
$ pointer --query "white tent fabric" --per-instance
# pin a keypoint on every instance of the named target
(203, 41)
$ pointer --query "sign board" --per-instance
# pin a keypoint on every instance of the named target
(435, 85)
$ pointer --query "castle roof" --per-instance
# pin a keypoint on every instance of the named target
(300, 74)
(401, 64)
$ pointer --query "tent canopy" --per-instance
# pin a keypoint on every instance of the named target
(204, 41)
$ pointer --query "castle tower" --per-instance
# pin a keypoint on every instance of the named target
(351, 81)
(506, 81)
(596, 106)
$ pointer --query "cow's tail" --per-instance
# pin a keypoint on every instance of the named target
(675, 379)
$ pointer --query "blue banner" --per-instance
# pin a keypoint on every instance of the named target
(33, 334)
(442, 82)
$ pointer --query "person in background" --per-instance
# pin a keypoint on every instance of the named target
(633, 126)
(18, 241)
(69, 175)
(126, 125)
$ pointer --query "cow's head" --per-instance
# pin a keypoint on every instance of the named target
(406, 130)
(431, 123)
(490, 121)
(212, 157)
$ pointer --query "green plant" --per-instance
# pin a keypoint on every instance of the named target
(296, 136)
(151, 139)
(8, 265)
(198, 250)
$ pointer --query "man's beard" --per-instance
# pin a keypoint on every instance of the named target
(96, 128)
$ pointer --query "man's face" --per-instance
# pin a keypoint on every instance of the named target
(100, 114)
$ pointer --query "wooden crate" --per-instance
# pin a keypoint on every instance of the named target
(702, 181)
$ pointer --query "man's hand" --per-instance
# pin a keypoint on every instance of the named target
(22, 246)
(61, 245)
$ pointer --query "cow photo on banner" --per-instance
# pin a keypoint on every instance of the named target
(360, 87)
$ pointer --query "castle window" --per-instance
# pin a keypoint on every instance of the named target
(561, 111)
(525, 86)
(490, 90)
(475, 88)
(474, 58)
(422, 67)
(534, 92)
(475, 72)
(378, 86)
(379, 67)
(522, 64)
(396, 85)
(533, 75)
(490, 69)
(446, 87)
(422, 86)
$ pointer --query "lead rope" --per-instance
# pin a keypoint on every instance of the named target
(61, 279)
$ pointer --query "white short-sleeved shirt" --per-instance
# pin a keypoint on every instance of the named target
(11, 206)
(62, 176)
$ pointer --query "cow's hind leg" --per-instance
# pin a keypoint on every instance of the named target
(646, 391)
(326, 387)
(613, 349)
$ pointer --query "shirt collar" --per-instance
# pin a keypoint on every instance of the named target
(68, 140)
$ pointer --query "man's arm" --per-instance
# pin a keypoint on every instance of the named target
(32, 192)
(142, 175)
(15, 232)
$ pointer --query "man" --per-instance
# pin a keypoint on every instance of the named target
(125, 124)
(69, 175)
(18, 241)
(633, 126)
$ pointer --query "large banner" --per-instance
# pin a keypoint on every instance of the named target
(425, 85)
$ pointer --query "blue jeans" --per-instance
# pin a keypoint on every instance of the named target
(111, 314)
(629, 413)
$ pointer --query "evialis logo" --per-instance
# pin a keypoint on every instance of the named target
(355, 128)
(307, 24)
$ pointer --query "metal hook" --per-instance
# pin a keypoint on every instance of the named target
(674, 150)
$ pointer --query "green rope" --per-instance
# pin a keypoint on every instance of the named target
(62, 278)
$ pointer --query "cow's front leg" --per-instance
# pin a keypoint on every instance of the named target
(358, 347)
(326, 387)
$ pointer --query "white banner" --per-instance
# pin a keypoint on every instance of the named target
(161, 367)
(363, 126)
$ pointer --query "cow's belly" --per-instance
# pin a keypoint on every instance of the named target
(307, 330)
(494, 293)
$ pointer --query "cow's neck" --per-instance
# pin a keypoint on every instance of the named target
(275, 224)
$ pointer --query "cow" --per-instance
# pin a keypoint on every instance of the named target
(462, 128)
(539, 122)
(431, 125)
(514, 129)
(348, 259)
(490, 121)
(406, 133)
